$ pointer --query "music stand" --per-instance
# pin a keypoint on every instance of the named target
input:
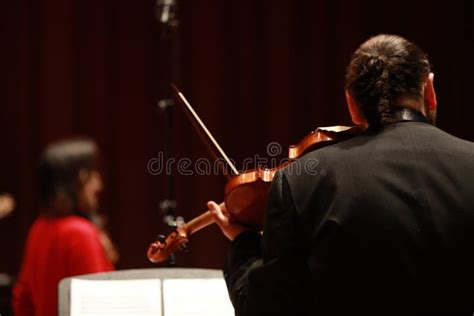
(136, 274)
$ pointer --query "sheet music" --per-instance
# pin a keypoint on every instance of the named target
(196, 297)
(116, 297)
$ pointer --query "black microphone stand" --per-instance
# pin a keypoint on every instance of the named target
(167, 16)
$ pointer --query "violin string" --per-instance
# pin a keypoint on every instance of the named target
(198, 119)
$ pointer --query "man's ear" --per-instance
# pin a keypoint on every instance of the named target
(356, 116)
(430, 94)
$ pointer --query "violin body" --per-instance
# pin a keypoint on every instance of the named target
(322, 137)
(246, 193)
(246, 196)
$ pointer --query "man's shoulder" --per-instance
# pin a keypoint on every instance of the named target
(429, 139)
(404, 134)
(393, 141)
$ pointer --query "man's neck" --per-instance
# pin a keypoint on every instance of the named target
(411, 103)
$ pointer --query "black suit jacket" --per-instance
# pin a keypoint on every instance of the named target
(380, 224)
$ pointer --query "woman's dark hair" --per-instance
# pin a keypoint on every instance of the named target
(60, 167)
(383, 70)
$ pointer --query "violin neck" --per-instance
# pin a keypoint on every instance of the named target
(198, 223)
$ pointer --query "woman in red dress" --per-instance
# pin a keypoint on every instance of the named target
(63, 241)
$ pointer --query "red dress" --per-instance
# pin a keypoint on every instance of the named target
(56, 248)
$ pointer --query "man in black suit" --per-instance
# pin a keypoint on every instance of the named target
(387, 224)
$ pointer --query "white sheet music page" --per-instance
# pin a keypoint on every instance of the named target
(116, 297)
(196, 297)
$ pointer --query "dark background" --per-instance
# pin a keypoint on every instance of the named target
(256, 71)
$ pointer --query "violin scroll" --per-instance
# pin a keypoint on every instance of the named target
(162, 248)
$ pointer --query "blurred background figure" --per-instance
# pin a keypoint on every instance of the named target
(63, 241)
(7, 205)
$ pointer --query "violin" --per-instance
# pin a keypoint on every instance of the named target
(245, 193)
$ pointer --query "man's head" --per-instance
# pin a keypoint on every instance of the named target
(386, 72)
(68, 178)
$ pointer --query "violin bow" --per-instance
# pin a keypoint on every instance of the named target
(200, 127)
(162, 248)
